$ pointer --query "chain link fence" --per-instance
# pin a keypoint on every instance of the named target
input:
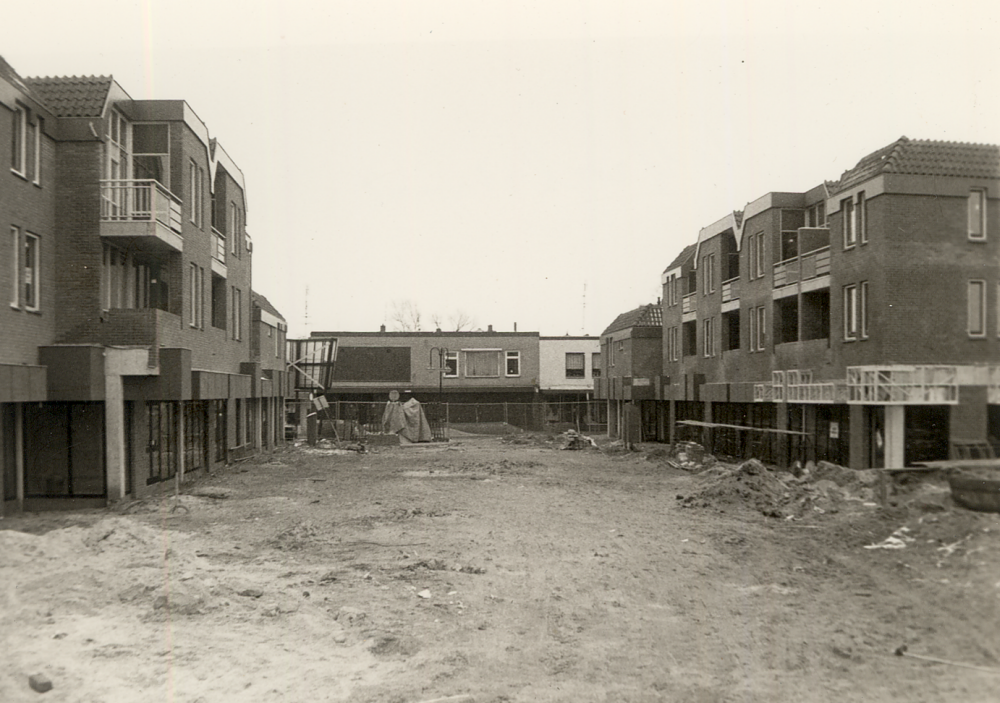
(362, 421)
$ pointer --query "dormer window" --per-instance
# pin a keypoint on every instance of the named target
(977, 214)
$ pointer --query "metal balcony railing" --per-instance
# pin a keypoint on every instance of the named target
(144, 200)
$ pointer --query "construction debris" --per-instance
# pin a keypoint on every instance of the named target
(571, 439)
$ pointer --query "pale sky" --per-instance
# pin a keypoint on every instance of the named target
(537, 163)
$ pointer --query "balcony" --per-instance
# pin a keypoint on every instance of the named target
(731, 290)
(141, 214)
(218, 253)
(687, 304)
(799, 269)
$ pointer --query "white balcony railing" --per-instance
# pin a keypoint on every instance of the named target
(140, 201)
(687, 303)
(813, 264)
(219, 252)
(731, 289)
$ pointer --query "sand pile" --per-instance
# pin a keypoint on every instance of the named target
(749, 485)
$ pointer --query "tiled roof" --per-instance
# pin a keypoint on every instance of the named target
(644, 316)
(925, 158)
(265, 304)
(72, 96)
(686, 253)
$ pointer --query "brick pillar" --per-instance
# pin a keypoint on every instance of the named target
(858, 434)
(114, 436)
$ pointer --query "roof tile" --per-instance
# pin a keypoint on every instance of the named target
(72, 96)
(650, 315)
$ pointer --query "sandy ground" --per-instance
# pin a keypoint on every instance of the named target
(506, 570)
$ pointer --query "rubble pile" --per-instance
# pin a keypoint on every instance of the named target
(690, 456)
(818, 488)
(571, 439)
(748, 485)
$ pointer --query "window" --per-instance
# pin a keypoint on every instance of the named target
(15, 267)
(576, 365)
(197, 296)
(758, 330)
(482, 363)
(708, 274)
(25, 268)
(611, 351)
(595, 364)
(850, 313)
(708, 338)
(863, 309)
(31, 282)
(977, 308)
(451, 364)
(862, 217)
(673, 344)
(847, 214)
(977, 214)
(670, 290)
(513, 367)
(755, 255)
(234, 228)
(237, 313)
(19, 141)
(197, 196)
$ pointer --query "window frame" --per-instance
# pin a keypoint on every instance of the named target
(32, 302)
(849, 223)
(507, 358)
(761, 316)
(863, 310)
(595, 364)
(449, 357)
(979, 194)
(861, 217)
(15, 260)
(849, 298)
(980, 304)
(495, 352)
(708, 338)
(582, 369)
(19, 141)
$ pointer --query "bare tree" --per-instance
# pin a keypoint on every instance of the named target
(405, 316)
(461, 320)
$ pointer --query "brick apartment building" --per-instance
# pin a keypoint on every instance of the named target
(858, 321)
(630, 356)
(133, 347)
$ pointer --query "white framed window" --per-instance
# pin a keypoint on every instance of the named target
(863, 309)
(15, 267)
(611, 351)
(708, 338)
(761, 328)
(197, 196)
(233, 228)
(977, 308)
(850, 313)
(512, 367)
(849, 223)
(197, 296)
(977, 214)
(595, 364)
(861, 216)
(451, 364)
(482, 363)
(237, 314)
(576, 365)
(19, 141)
(708, 274)
(31, 281)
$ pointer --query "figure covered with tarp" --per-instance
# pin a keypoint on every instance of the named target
(406, 418)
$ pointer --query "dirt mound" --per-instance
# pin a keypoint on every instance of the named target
(690, 456)
(749, 485)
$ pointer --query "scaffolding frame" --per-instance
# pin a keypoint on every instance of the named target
(902, 385)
